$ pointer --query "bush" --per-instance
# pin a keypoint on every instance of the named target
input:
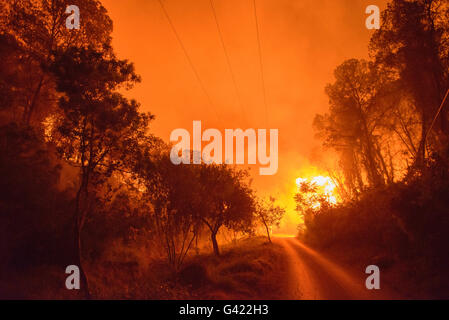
(35, 215)
(194, 275)
(409, 219)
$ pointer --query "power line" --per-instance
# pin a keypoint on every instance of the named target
(422, 147)
(228, 61)
(188, 58)
(261, 62)
(437, 114)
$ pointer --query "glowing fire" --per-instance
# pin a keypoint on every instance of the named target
(325, 186)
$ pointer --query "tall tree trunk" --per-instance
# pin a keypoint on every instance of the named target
(268, 231)
(77, 243)
(420, 158)
(30, 110)
(78, 261)
(376, 178)
(213, 237)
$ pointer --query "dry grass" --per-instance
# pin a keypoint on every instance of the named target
(248, 269)
(251, 269)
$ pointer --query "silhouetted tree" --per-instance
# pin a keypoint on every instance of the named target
(269, 214)
(39, 26)
(18, 75)
(227, 200)
(412, 42)
(175, 196)
(354, 119)
(97, 129)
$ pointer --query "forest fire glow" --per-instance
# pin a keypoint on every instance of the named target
(325, 186)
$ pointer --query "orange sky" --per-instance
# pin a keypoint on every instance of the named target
(302, 41)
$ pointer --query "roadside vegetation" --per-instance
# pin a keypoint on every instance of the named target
(85, 182)
(249, 268)
(388, 124)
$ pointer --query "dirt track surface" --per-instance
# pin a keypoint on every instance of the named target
(314, 277)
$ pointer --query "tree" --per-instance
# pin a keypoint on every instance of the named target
(412, 43)
(227, 200)
(97, 129)
(355, 118)
(39, 27)
(176, 200)
(269, 214)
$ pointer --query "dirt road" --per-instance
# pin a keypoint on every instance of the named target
(313, 277)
